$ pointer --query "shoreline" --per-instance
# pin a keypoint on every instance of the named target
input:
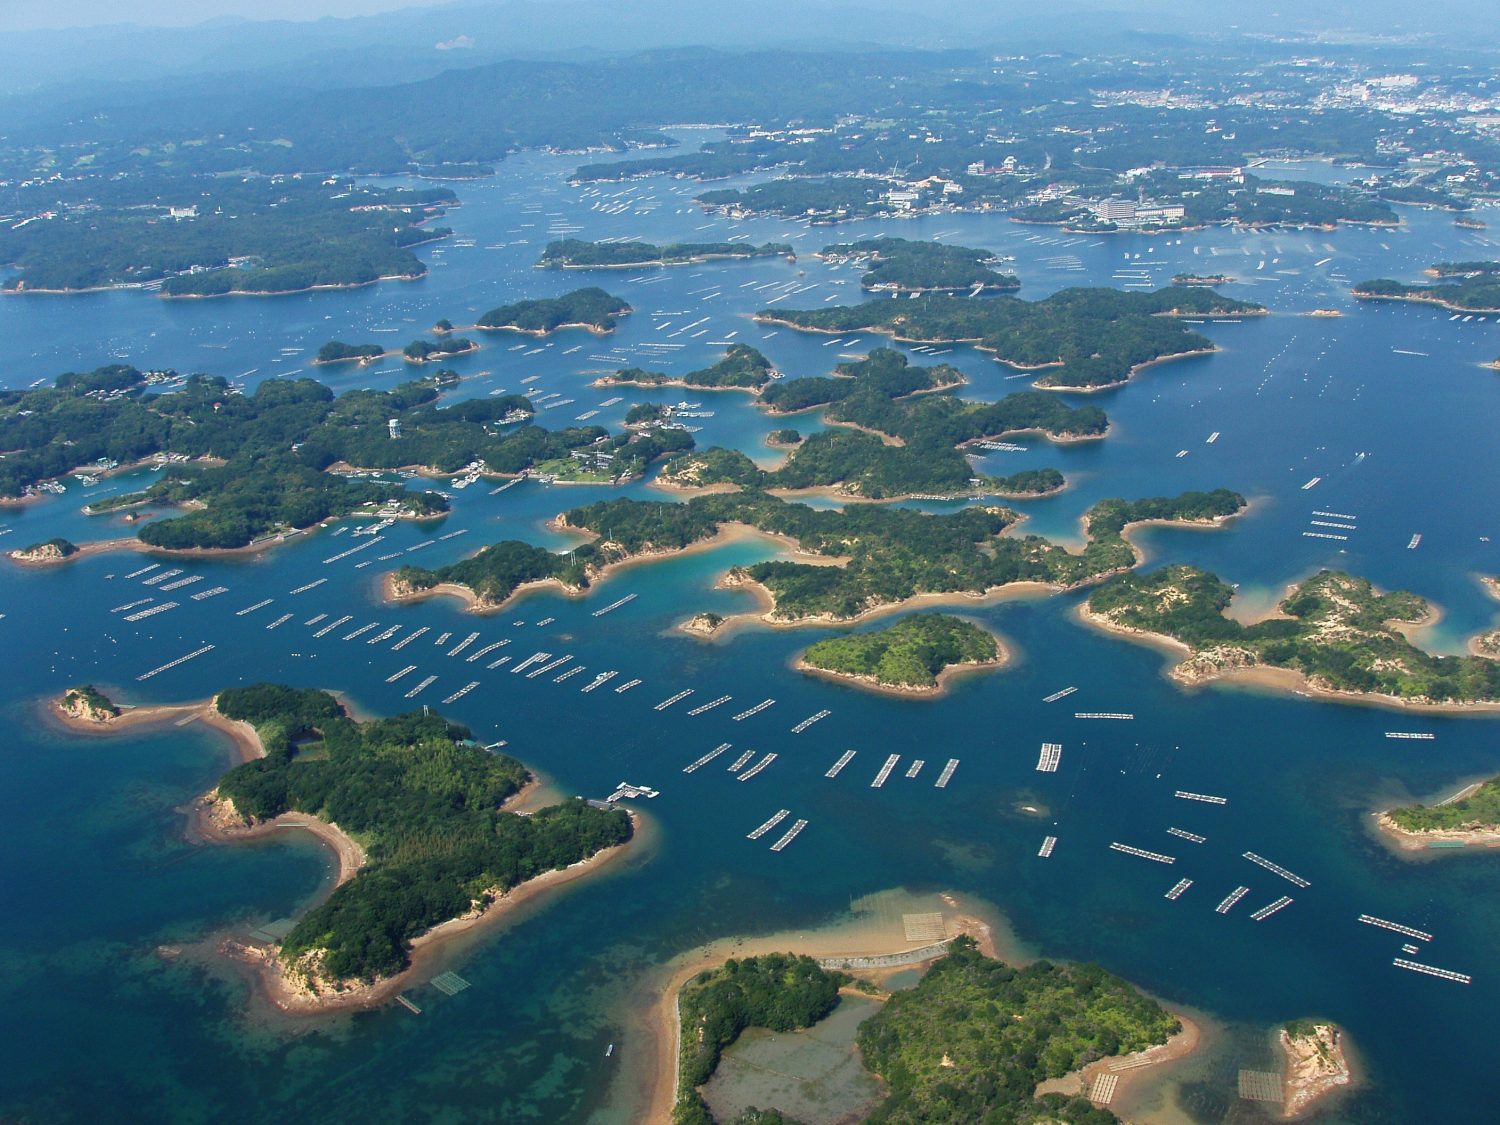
(1317, 1067)
(658, 263)
(1419, 299)
(1129, 1069)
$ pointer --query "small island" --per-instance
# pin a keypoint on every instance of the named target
(1472, 287)
(592, 309)
(47, 553)
(336, 351)
(384, 790)
(915, 656)
(1470, 816)
(743, 368)
(425, 351)
(1079, 339)
(576, 254)
(900, 265)
(1316, 1064)
(1334, 633)
(974, 1040)
(87, 704)
(1208, 279)
(702, 624)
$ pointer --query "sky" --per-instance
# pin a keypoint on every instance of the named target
(27, 15)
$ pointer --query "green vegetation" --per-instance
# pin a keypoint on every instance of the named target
(1479, 811)
(885, 373)
(90, 700)
(336, 351)
(783, 437)
(912, 653)
(778, 991)
(1086, 337)
(574, 253)
(240, 235)
(742, 368)
(1201, 279)
(257, 464)
(422, 351)
(590, 308)
(899, 265)
(1337, 630)
(824, 200)
(56, 548)
(1476, 290)
(422, 799)
(973, 1039)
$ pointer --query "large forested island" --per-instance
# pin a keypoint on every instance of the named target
(1334, 629)
(247, 467)
(1076, 338)
(589, 308)
(900, 265)
(423, 801)
(970, 1042)
(743, 368)
(1467, 287)
(576, 254)
(211, 236)
(889, 555)
(911, 656)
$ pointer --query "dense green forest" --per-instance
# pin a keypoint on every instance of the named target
(1336, 629)
(975, 1036)
(590, 308)
(911, 653)
(336, 351)
(257, 463)
(255, 235)
(423, 351)
(422, 799)
(1479, 810)
(575, 253)
(900, 265)
(1476, 290)
(1084, 337)
(777, 991)
(742, 368)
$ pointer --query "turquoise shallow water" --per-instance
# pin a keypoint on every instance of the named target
(98, 874)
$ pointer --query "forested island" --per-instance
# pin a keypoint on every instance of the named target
(1476, 288)
(88, 704)
(590, 308)
(336, 351)
(1470, 816)
(576, 254)
(743, 368)
(251, 467)
(970, 1042)
(893, 554)
(424, 351)
(900, 440)
(1079, 338)
(900, 265)
(422, 800)
(912, 656)
(204, 236)
(53, 550)
(1335, 630)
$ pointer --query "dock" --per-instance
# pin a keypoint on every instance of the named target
(947, 774)
(1050, 756)
(844, 759)
(1142, 853)
(710, 756)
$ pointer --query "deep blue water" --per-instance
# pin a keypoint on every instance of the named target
(98, 874)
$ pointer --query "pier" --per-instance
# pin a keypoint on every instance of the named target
(844, 759)
(1276, 869)
(710, 705)
(197, 652)
(810, 720)
(1050, 756)
(791, 834)
(756, 710)
(1231, 899)
(420, 687)
(947, 774)
(776, 818)
(1056, 695)
(710, 756)
(1048, 843)
(885, 771)
(1177, 888)
(1271, 908)
(755, 769)
(1432, 971)
(1394, 927)
(1204, 797)
(1142, 853)
(671, 699)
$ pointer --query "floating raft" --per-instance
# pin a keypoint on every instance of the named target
(1177, 888)
(1048, 843)
(756, 710)
(204, 595)
(755, 769)
(915, 767)
(710, 756)
(1154, 857)
(844, 759)
(449, 983)
(174, 663)
(885, 771)
(626, 686)
(1184, 834)
(1271, 908)
(791, 834)
(1056, 695)
(1050, 756)
(1432, 971)
(1422, 734)
(406, 640)
(1204, 797)
(1102, 715)
(1231, 899)
(614, 605)
(946, 775)
(1276, 869)
(776, 818)
(1394, 927)
(671, 699)
(810, 720)
(710, 705)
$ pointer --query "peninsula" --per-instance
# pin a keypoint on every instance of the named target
(1470, 816)
(1334, 632)
(392, 786)
(915, 656)
(576, 254)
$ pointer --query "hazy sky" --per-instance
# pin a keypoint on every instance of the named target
(18, 15)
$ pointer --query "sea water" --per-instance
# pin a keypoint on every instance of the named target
(108, 1012)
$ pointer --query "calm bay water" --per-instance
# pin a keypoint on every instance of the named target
(98, 875)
